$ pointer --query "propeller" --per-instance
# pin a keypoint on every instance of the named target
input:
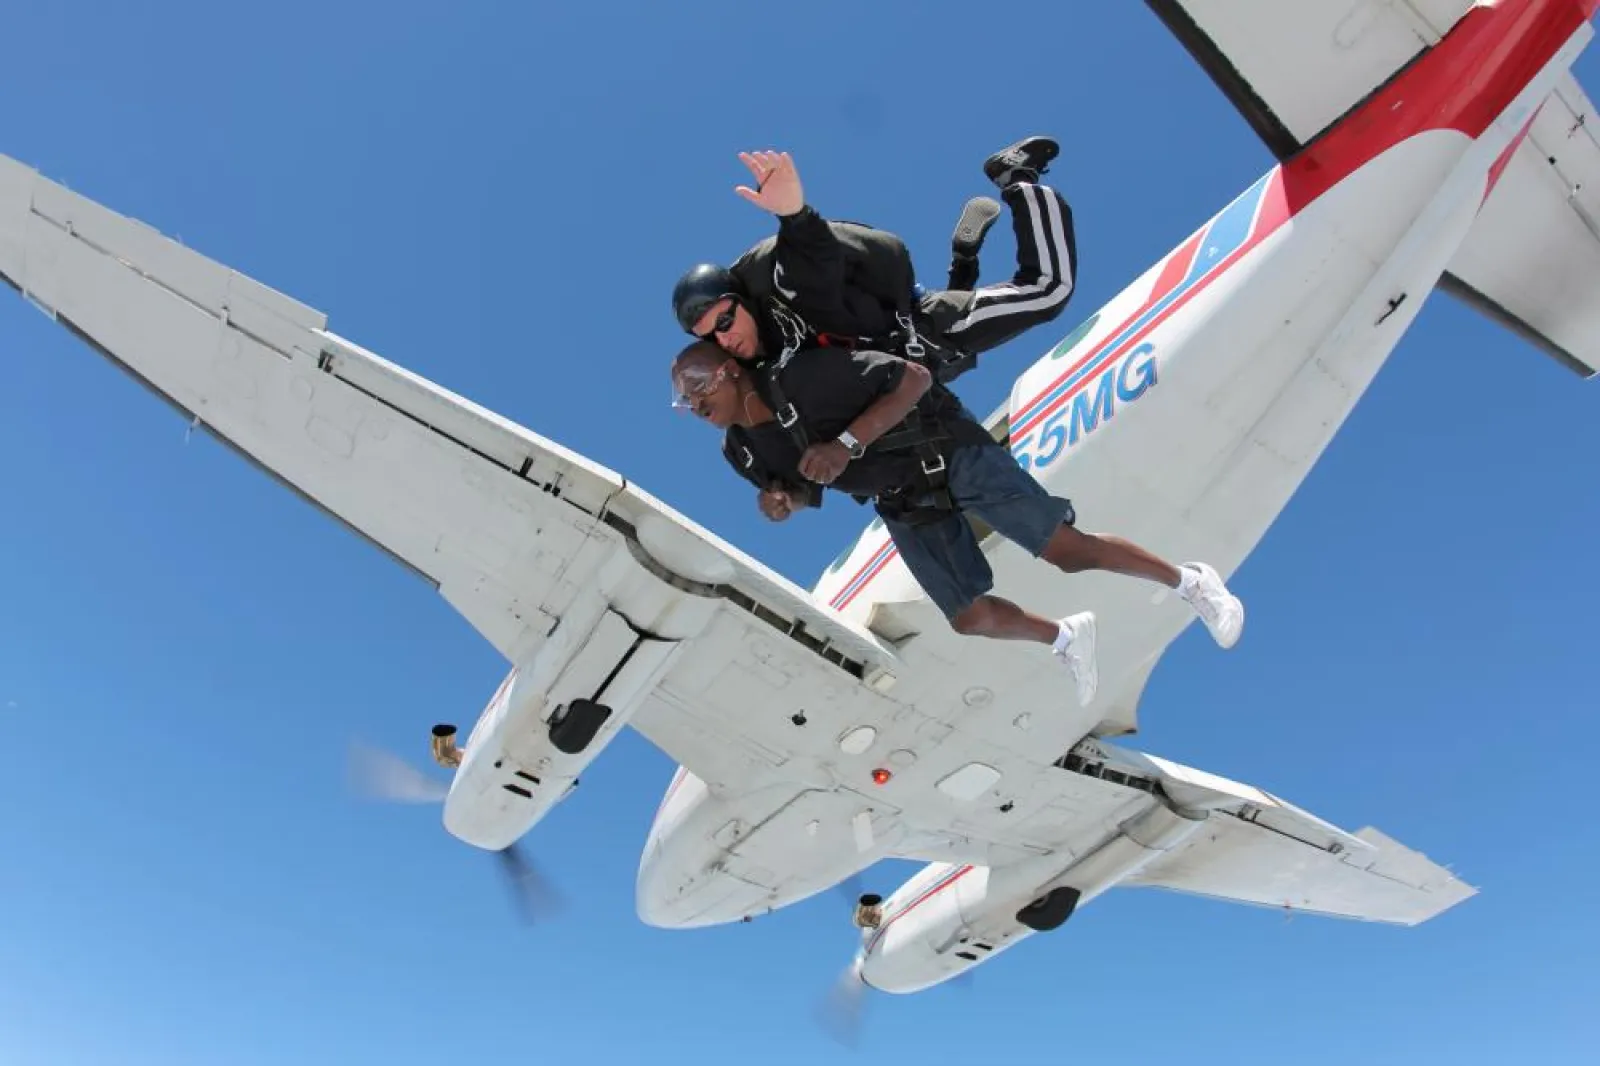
(385, 777)
(839, 1012)
(381, 775)
(532, 891)
(840, 1009)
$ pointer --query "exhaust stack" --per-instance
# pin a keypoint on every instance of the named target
(869, 912)
(445, 752)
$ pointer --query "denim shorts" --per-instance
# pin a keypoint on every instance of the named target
(988, 482)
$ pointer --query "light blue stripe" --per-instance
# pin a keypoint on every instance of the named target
(1226, 233)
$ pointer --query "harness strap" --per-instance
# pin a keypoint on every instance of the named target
(920, 432)
(788, 415)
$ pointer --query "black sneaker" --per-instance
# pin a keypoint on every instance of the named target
(1026, 160)
(973, 226)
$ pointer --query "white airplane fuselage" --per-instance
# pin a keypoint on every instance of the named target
(1183, 415)
(832, 729)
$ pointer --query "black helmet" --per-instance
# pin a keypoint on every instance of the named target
(699, 288)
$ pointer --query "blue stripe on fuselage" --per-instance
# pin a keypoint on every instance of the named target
(1227, 232)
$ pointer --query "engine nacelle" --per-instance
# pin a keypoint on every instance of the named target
(554, 713)
(952, 917)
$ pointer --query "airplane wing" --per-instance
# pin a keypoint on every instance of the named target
(1260, 849)
(508, 526)
(1255, 848)
(1238, 862)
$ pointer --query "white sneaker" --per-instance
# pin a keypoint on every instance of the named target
(1218, 608)
(1075, 646)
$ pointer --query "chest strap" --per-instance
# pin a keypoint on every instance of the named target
(920, 432)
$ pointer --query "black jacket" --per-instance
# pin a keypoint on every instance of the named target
(817, 276)
(828, 391)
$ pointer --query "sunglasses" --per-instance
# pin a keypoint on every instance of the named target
(724, 320)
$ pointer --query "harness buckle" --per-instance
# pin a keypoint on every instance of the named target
(793, 416)
(913, 344)
(939, 469)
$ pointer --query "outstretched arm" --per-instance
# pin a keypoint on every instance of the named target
(810, 260)
(890, 409)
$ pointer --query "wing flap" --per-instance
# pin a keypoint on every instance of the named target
(559, 471)
(1294, 67)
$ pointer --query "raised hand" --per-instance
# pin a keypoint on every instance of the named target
(778, 187)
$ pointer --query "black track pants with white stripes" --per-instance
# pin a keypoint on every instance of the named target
(1047, 264)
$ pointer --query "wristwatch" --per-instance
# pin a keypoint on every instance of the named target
(848, 439)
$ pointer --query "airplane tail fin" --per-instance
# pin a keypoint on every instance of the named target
(1301, 72)
(1532, 259)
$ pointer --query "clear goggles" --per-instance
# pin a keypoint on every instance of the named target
(690, 383)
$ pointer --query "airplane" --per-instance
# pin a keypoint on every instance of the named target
(1421, 145)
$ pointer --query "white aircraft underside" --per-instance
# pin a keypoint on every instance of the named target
(1183, 414)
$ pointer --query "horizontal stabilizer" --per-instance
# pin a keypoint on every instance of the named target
(1295, 67)
(1532, 259)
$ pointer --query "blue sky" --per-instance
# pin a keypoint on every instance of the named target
(499, 197)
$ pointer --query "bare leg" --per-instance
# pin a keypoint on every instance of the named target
(1074, 551)
(1072, 639)
(1000, 619)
